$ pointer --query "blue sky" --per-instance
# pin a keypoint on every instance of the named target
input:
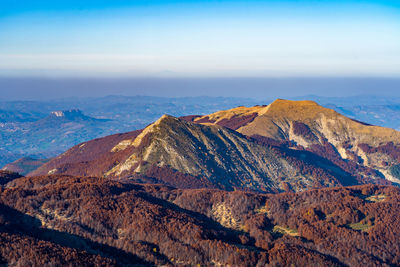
(199, 38)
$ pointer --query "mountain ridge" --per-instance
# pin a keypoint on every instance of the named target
(208, 153)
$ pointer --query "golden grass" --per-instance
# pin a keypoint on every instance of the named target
(228, 114)
(263, 210)
(285, 231)
(376, 198)
(359, 226)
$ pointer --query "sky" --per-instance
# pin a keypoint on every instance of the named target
(114, 46)
(199, 38)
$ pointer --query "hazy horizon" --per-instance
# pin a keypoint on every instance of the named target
(35, 88)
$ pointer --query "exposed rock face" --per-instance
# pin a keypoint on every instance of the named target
(72, 114)
(211, 155)
(312, 126)
(216, 153)
(58, 113)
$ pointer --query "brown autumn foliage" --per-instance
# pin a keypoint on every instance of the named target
(353, 167)
(190, 118)
(92, 158)
(237, 121)
(170, 177)
(23, 243)
(234, 123)
(205, 120)
(22, 250)
(110, 222)
(303, 130)
(388, 149)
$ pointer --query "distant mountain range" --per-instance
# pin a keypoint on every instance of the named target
(51, 135)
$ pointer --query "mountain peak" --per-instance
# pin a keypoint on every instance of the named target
(299, 110)
(286, 103)
(165, 119)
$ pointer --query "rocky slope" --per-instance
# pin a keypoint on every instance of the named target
(366, 150)
(189, 155)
